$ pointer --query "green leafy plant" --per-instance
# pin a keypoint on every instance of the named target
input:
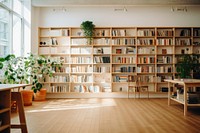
(42, 67)
(186, 64)
(15, 70)
(88, 28)
(31, 70)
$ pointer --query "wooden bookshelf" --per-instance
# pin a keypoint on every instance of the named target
(115, 53)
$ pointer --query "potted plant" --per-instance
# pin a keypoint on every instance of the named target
(42, 68)
(88, 30)
(196, 66)
(185, 66)
(16, 71)
(30, 70)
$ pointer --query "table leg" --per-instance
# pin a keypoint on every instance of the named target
(16, 96)
(185, 99)
(169, 93)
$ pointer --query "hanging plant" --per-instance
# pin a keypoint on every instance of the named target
(88, 30)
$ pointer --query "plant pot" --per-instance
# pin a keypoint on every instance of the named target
(27, 96)
(40, 95)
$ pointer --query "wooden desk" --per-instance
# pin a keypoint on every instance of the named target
(15, 96)
(185, 83)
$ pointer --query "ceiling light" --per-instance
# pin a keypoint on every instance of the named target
(60, 9)
(179, 9)
(121, 9)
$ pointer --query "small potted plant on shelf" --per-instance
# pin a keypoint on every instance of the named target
(88, 30)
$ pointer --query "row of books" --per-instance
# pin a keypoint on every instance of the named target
(59, 50)
(145, 69)
(60, 78)
(164, 41)
(81, 78)
(185, 32)
(101, 41)
(61, 59)
(101, 69)
(148, 50)
(100, 59)
(81, 50)
(58, 88)
(123, 32)
(104, 50)
(120, 78)
(146, 32)
(124, 41)
(164, 59)
(131, 60)
(196, 32)
(126, 78)
(183, 42)
(80, 60)
(79, 41)
(165, 33)
(53, 50)
(168, 50)
(119, 32)
(196, 43)
(126, 50)
(54, 41)
(164, 69)
(123, 69)
(102, 32)
(145, 41)
(145, 60)
(144, 78)
(62, 69)
(86, 88)
(81, 69)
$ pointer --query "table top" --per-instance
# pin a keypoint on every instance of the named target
(11, 86)
(183, 80)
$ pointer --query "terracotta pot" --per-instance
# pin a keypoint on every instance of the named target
(27, 96)
(40, 95)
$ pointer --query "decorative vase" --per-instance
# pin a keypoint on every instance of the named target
(27, 96)
(40, 95)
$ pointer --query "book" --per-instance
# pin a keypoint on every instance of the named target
(118, 51)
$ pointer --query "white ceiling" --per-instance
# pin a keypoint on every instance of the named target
(43, 3)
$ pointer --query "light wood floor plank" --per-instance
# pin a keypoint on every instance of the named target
(109, 116)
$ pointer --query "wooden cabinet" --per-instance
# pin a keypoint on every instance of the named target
(115, 53)
(5, 101)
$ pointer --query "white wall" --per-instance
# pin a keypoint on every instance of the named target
(34, 31)
(105, 16)
(27, 27)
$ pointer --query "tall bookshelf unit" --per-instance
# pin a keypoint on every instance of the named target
(115, 53)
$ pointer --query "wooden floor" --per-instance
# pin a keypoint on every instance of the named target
(109, 116)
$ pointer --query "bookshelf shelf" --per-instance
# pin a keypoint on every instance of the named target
(151, 51)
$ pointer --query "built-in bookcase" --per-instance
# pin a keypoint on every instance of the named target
(115, 53)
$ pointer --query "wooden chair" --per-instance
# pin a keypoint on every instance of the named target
(135, 83)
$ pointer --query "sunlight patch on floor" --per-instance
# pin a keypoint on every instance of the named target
(70, 104)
